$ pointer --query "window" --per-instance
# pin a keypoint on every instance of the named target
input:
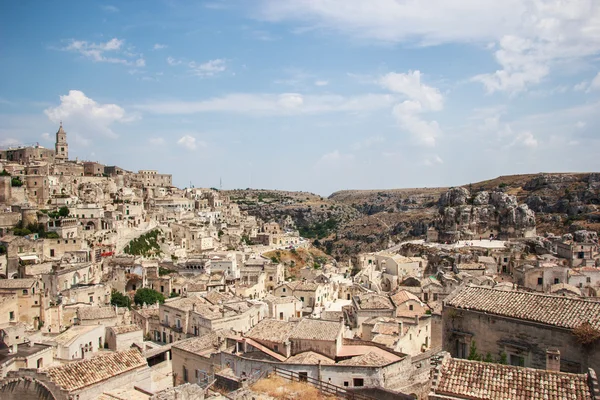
(91, 299)
(556, 280)
(516, 360)
(25, 291)
(581, 254)
(185, 374)
(281, 316)
(11, 315)
(51, 252)
(588, 279)
(302, 298)
(283, 290)
(410, 307)
(359, 382)
(271, 278)
(540, 281)
(346, 383)
(303, 376)
(505, 259)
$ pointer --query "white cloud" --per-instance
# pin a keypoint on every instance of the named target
(432, 160)
(97, 52)
(273, 104)
(209, 68)
(595, 85)
(158, 141)
(528, 37)
(581, 86)
(190, 142)
(110, 8)
(173, 62)
(159, 46)
(580, 124)
(321, 83)
(85, 116)
(334, 158)
(47, 137)
(421, 98)
(410, 85)
(525, 139)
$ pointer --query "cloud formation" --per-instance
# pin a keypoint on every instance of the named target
(530, 36)
(190, 142)
(420, 98)
(86, 116)
(205, 69)
(112, 51)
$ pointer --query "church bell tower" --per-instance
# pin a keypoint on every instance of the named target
(62, 147)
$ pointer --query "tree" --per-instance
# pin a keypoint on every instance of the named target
(119, 299)
(148, 296)
(16, 182)
(473, 352)
(503, 359)
(63, 211)
(4, 173)
(488, 358)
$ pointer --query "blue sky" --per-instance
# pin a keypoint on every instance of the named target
(308, 95)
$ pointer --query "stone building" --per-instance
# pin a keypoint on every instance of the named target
(83, 380)
(520, 326)
(61, 147)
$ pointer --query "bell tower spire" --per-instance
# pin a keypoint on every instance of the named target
(61, 151)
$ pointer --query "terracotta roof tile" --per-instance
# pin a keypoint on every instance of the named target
(84, 373)
(565, 312)
(87, 313)
(481, 380)
(316, 329)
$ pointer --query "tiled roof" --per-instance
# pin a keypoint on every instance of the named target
(565, 312)
(271, 330)
(403, 296)
(84, 373)
(372, 301)
(481, 380)
(148, 312)
(122, 329)
(87, 313)
(280, 300)
(316, 329)
(215, 297)
(309, 357)
(368, 359)
(68, 336)
(17, 283)
(198, 344)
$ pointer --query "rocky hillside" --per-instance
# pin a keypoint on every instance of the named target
(350, 222)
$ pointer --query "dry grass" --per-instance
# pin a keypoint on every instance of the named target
(280, 388)
(298, 259)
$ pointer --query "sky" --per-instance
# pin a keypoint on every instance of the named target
(313, 95)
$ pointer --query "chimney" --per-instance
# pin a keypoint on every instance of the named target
(553, 360)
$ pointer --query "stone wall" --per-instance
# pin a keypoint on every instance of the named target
(493, 334)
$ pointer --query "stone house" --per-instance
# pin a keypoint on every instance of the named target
(587, 279)
(83, 380)
(191, 358)
(520, 325)
(541, 278)
(578, 254)
(104, 316)
(9, 308)
(407, 304)
(123, 337)
(28, 300)
(21, 250)
(369, 305)
(78, 342)
(283, 308)
(147, 318)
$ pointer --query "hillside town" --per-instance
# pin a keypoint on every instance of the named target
(119, 285)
